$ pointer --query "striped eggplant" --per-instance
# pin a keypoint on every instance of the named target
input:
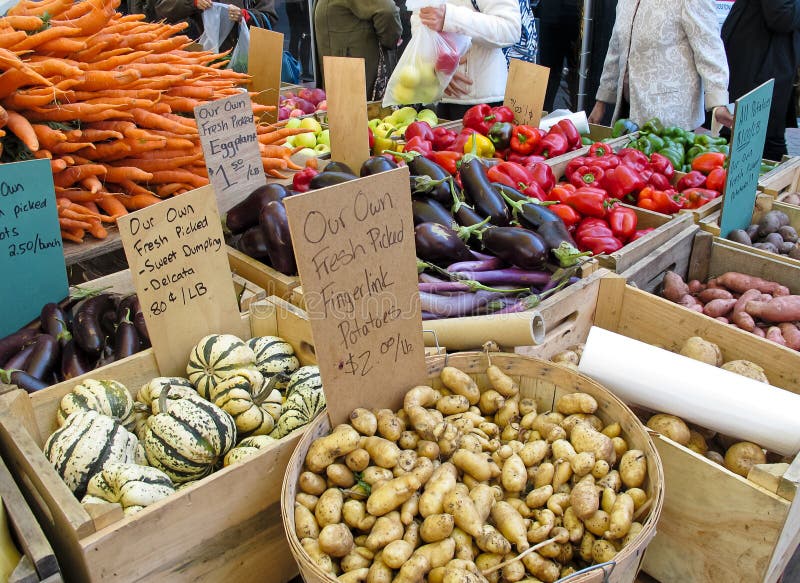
(108, 397)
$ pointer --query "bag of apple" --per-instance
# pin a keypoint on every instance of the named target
(428, 64)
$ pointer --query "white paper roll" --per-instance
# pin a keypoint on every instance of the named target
(694, 391)
(579, 119)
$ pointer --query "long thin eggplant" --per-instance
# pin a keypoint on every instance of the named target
(108, 322)
(420, 166)
(465, 304)
(253, 243)
(477, 264)
(376, 165)
(508, 276)
(334, 166)
(21, 358)
(275, 224)
(427, 210)
(481, 192)
(126, 340)
(23, 380)
(331, 178)
(54, 321)
(439, 244)
(13, 343)
(74, 362)
(519, 247)
(44, 358)
(245, 214)
(132, 303)
(86, 328)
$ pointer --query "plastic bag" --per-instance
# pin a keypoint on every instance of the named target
(427, 65)
(217, 25)
(241, 50)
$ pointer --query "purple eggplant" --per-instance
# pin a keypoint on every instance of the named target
(516, 246)
(439, 244)
(21, 358)
(131, 306)
(334, 166)
(430, 180)
(486, 264)
(376, 165)
(507, 276)
(74, 362)
(23, 380)
(455, 306)
(126, 340)
(330, 178)
(245, 214)
(253, 243)
(275, 224)
(13, 343)
(427, 210)
(481, 192)
(54, 321)
(44, 357)
(86, 328)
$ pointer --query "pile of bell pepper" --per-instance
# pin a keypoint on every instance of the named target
(680, 146)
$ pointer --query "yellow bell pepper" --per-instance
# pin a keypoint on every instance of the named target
(484, 148)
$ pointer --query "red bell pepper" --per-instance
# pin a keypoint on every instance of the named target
(567, 214)
(605, 162)
(480, 118)
(528, 161)
(693, 179)
(421, 129)
(561, 192)
(576, 163)
(707, 161)
(697, 197)
(640, 233)
(502, 113)
(633, 158)
(301, 182)
(600, 149)
(622, 221)
(566, 128)
(622, 180)
(542, 175)
(716, 179)
(658, 181)
(552, 145)
(461, 140)
(524, 139)
(443, 138)
(661, 201)
(589, 201)
(417, 144)
(587, 176)
(595, 235)
(371, 139)
(661, 164)
(445, 159)
(516, 176)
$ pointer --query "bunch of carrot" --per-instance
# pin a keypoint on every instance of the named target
(108, 99)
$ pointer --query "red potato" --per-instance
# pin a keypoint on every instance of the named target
(741, 282)
(774, 334)
(723, 320)
(791, 334)
(689, 301)
(740, 317)
(765, 298)
(780, 309)
(674, 287)
(717, 308)
(696, 286)
(708, 295)
(758, 331)
(712, 284)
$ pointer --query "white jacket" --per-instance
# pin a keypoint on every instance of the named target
(497, 25)
(674, 58)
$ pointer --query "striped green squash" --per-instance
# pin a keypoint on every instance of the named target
(248, 447)
(304, 400)
(273, 355)
(85, 444)
(215, 358)
(108, 397)
(188, 437)
(306, 377)
(131, 485)
(253, 406)
(147, 398)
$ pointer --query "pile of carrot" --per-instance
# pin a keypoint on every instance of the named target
(109, 99)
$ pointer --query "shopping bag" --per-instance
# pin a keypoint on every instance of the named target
(217, 25)
(428, 63)
(241, 50)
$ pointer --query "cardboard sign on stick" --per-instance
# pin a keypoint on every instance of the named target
(750, 120)
(354, 244)
(525, 90)
(230, 146)
(177, 256)
(264, 63)
(31, 252)
(347, 110)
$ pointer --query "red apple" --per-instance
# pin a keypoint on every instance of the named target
(306, 106)
(317, 95)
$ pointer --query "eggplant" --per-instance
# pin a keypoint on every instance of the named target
(74, 361)
(54, 321)
(427, 210)
(275, 225)
(420, 166)
(25, 381)
(245, 214)
(376, 165)
(141, 328)
(20, 359)
(44, 357)
(439, 244)
(481, 192)
(334, 166)
(131, 303)
(86, 328)
(325, 179)
(13, 343)
(516, 246)
(108, 322)
(466, 304)
(126, 340)
(253, 243)
(466, 216)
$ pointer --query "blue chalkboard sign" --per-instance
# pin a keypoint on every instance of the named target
(747, 146)
(31, 252)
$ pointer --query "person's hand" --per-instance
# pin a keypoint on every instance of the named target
(234, 13)
(203, 4)
(459, 85)
(433, 17)
(723, 116)
(598, 111)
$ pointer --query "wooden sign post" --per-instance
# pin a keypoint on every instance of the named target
(176, 252)
(525, 90)
(264, 63)
(354, 244)
(347, 110)
(230, 145)
(31, 252)
(750, 120)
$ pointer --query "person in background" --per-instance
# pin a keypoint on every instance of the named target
(481, 76)
(191, 11)
(762, 41)
(297, 13)
(357, 28)
(665, 60)
(559, 29)
(405, 20)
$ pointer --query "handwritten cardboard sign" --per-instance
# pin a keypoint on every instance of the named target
(230, 145)
(177, 256)
(747, 146)
(354, 244)
(264, 64)
(31, 252)
(347, 110)
(525, 90)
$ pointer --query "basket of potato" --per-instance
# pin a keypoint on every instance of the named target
(502, 468)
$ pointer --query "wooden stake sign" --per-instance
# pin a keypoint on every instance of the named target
(31, 252)
(749, 132)
(176, 252)
(347, 110)
(230, 145)
(354, 244)
(264, 63)
(525, 90)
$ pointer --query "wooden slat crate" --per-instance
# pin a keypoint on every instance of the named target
(225, 527)
(715, 525)
(785, 178)
(265, 277)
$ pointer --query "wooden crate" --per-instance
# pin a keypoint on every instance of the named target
(225, 527)
(674, 255)
(715, 525)
(785, 178)
(38, 562)
(272, 281)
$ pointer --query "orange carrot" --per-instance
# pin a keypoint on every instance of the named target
(27, 23)
(74, 235)
(161, 176)
(52, 33)
(77, 195)
(72, 223)
(97, 230)
(111, 150)
(92, 184)
(147, 119)
(73, 174)
(120, 173)
(95, 80)
(94, 135)
(137, 201)
(111, 204)
(23, 129)
(57, 165)
(162, 163)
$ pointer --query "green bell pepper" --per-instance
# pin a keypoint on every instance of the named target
(674, 154)
(653, 126)
(656, 142)
(694, 152)
(586, 141)
(623, 127)
(707, 140)
(643, 145)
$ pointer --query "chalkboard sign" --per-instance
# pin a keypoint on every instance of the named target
(750, 120)
(31, 252)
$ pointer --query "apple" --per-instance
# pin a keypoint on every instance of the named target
(322, 105)
(409, 76)
(374, 122)
(322, 149)
(318, 96)
(428, 94)
(305, 93)
(308, 140)
(283, 113)
(404, 115)
(310, 123)
(324, 138)
(296, 113)
(308, 152)
(289, 143)
(293, 123)
(427, 76)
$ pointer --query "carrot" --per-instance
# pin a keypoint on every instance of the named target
(20, 22)
(77, 195)
(165, 190)
(72, 223)
(57, 165)
(97, 230)
(147, 119)
(191, 91)
(167, 153)
(42, 154)
(149, 94)
(73, 174)
(111, 150)
(273, 136)
(88, 53)
(92, 184)
(276, 174)
(180, 104)
(95, 80)
(74, 235)
(23, 129)
(126, 57)
(112, 125)
(120, 173)
(3, 117)
(36, 8)
(27, 99)
(163, 163)
(138, 201)
(111, 204)
(91, 22)
(71, 147)
(161, 176)
(94, 135)
(52, 33)
(165, 45)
